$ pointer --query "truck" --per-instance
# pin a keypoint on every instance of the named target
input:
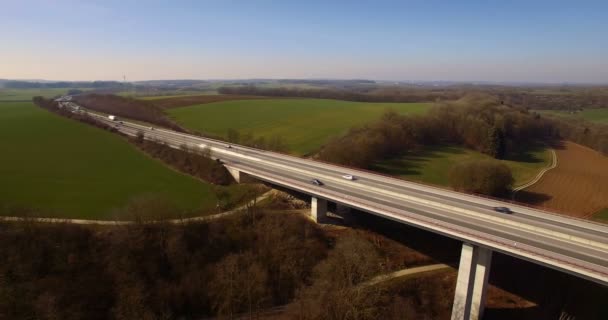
(112, 118)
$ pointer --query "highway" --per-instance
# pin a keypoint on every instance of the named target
(567, 244)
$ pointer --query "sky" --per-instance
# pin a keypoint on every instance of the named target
(485, 40)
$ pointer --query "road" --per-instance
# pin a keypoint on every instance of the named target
(571, 245)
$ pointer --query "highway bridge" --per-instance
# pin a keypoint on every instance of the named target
(570, 245)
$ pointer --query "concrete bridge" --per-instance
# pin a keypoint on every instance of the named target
(570, 245)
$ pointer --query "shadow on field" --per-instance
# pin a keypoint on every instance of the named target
(533, 198)
(411, 162)
(527, 153)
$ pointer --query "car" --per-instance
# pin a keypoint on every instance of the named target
(151, 128)
(316, 182)
(348, 177)
(120, 122)
(502, 210)
(228, 146)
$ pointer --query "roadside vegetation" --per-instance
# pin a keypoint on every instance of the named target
(127, 107)
(55, 167)
(304, 125)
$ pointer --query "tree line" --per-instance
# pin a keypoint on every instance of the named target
(231, 267)
(128, 108)
(62, 84)
(190, 160)
(568, 98)
(480, 123)
(384, 95)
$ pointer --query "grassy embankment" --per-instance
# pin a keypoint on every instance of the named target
(67, 169)
(303, 124)
(593, 115)
(432, 165)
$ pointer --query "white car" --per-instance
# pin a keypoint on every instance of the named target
(348, 177)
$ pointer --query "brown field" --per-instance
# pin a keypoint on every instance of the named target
(577, 187)
(177, 102)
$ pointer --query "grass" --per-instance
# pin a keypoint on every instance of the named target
(594, 115)
(432, 165)
(28, 94)
(601, 215)
(67, 169)
(304, 124)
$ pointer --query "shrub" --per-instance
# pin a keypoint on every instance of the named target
(488, 177)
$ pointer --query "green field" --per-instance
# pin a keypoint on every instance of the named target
(304, 124)
(432, 165)
(27, 94)
(68, 169)
(593, 115)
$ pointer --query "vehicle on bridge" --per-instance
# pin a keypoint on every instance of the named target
(503, 210)
(349, 177)
(112, 118)
(316, 182)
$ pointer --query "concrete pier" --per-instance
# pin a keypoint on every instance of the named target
(318, 209)
(472, 282)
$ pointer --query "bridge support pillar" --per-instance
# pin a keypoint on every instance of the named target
(318, 209)
(472, 282)
(235, 173)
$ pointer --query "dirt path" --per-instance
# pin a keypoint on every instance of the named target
(406, 273)
(118, 222)
(540, 174)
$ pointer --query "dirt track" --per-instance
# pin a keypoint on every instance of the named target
(578, 186)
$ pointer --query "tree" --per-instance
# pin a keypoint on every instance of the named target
(496, 147)
(337, 291)
(488, 177)
(139, 136)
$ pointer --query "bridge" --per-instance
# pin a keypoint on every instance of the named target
(567, 244)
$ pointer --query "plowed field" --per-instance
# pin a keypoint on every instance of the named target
(578, 186)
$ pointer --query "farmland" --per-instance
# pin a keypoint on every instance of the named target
(27, 94)
(577, 186)
(432, 164)
(66, 169)
(594, 115)
(189, 100)
(304, 124)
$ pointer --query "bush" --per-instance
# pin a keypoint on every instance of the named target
(487, 177)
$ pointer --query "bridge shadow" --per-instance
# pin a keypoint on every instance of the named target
(550, 292)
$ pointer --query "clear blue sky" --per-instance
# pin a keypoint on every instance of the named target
(534, 40)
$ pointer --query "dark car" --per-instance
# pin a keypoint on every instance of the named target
(316, 182)
(502, 209)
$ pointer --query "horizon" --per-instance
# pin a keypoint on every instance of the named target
(473, 42)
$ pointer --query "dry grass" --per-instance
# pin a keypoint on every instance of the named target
(175, 102)
(577, 187)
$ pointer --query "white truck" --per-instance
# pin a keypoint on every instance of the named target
(112, 118)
